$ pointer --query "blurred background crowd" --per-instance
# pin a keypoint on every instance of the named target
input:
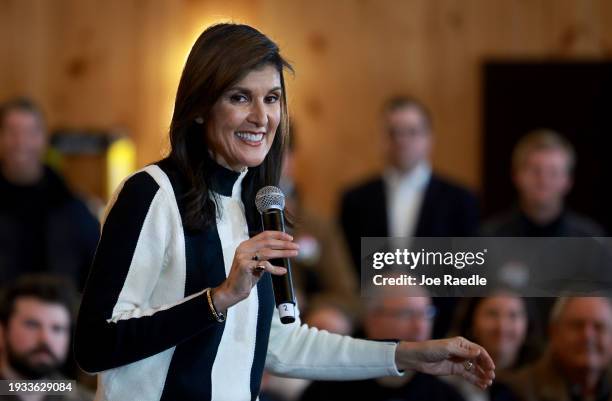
(409, 119)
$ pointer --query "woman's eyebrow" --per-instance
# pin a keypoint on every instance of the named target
(246, 90)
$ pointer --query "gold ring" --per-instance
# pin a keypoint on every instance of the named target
(260, 268)
(468, 365)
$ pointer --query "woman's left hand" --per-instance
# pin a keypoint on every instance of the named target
(451, 356)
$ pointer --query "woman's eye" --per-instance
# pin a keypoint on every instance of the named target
(272, 98)
(238, 98)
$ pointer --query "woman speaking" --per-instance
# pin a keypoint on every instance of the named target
(179, 304)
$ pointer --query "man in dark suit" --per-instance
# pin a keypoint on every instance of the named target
(407, 199)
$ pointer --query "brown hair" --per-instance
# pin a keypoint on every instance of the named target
(398, 102)
(46, 288)
(21, 104)
(220, 57)
(464, 321)
(542, 139)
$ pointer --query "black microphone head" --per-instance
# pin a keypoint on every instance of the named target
(269, 197)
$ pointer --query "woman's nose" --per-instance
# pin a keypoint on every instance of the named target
(258, 114)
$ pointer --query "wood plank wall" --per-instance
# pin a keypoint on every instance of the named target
(116, 64)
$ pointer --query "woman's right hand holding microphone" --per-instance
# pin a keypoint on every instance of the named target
(251, 260)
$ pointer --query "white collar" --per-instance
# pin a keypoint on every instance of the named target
(237, 188)
(416, 178)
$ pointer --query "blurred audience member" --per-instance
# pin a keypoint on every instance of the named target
(43, 226)
(407, 318)
(330, 318)
(576, 365)
(36, 316)
(542, 164)
(500, 324)
(408, 199)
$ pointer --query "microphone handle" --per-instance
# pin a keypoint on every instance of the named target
(273, 219)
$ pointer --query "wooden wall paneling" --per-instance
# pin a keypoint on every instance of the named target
(23, 48)
(116, 64)
(158, 35)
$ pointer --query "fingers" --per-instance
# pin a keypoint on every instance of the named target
(485, 361)
(276, 270)
(474, 373)
(252, 246)
(464, 349)
(251, 262)
(474, 362)
(473, 352)
(484, 375)
(277, 244)
(260, 267)
(268, 245)
(274, 235)
(267, 254)
(479, 379)
(275, 240)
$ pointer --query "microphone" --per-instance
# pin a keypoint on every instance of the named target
(270, 203)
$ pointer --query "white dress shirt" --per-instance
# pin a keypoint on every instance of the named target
(405, 193)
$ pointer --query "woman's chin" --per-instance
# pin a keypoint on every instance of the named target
(253, 161)
(254, 164)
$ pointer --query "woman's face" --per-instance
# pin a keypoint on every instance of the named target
(244, 120)
(500, 326)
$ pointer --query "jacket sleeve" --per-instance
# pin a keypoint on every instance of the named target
(296, 350)
(119, 322)
(466, 213)
(90, 235)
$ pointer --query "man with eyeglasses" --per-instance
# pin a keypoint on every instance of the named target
(399, 316)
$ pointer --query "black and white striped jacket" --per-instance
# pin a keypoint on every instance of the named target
(145, 325)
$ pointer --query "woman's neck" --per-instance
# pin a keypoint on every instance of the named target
(220, 160)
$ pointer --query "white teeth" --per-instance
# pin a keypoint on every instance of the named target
(247, 136)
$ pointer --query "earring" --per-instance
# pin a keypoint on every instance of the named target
(199, 120)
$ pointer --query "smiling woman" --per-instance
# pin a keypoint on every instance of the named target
(244, 120)
(179, 303)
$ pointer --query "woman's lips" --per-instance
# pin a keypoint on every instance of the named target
(251, 138)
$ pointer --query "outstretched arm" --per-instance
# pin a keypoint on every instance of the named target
(295, 350)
